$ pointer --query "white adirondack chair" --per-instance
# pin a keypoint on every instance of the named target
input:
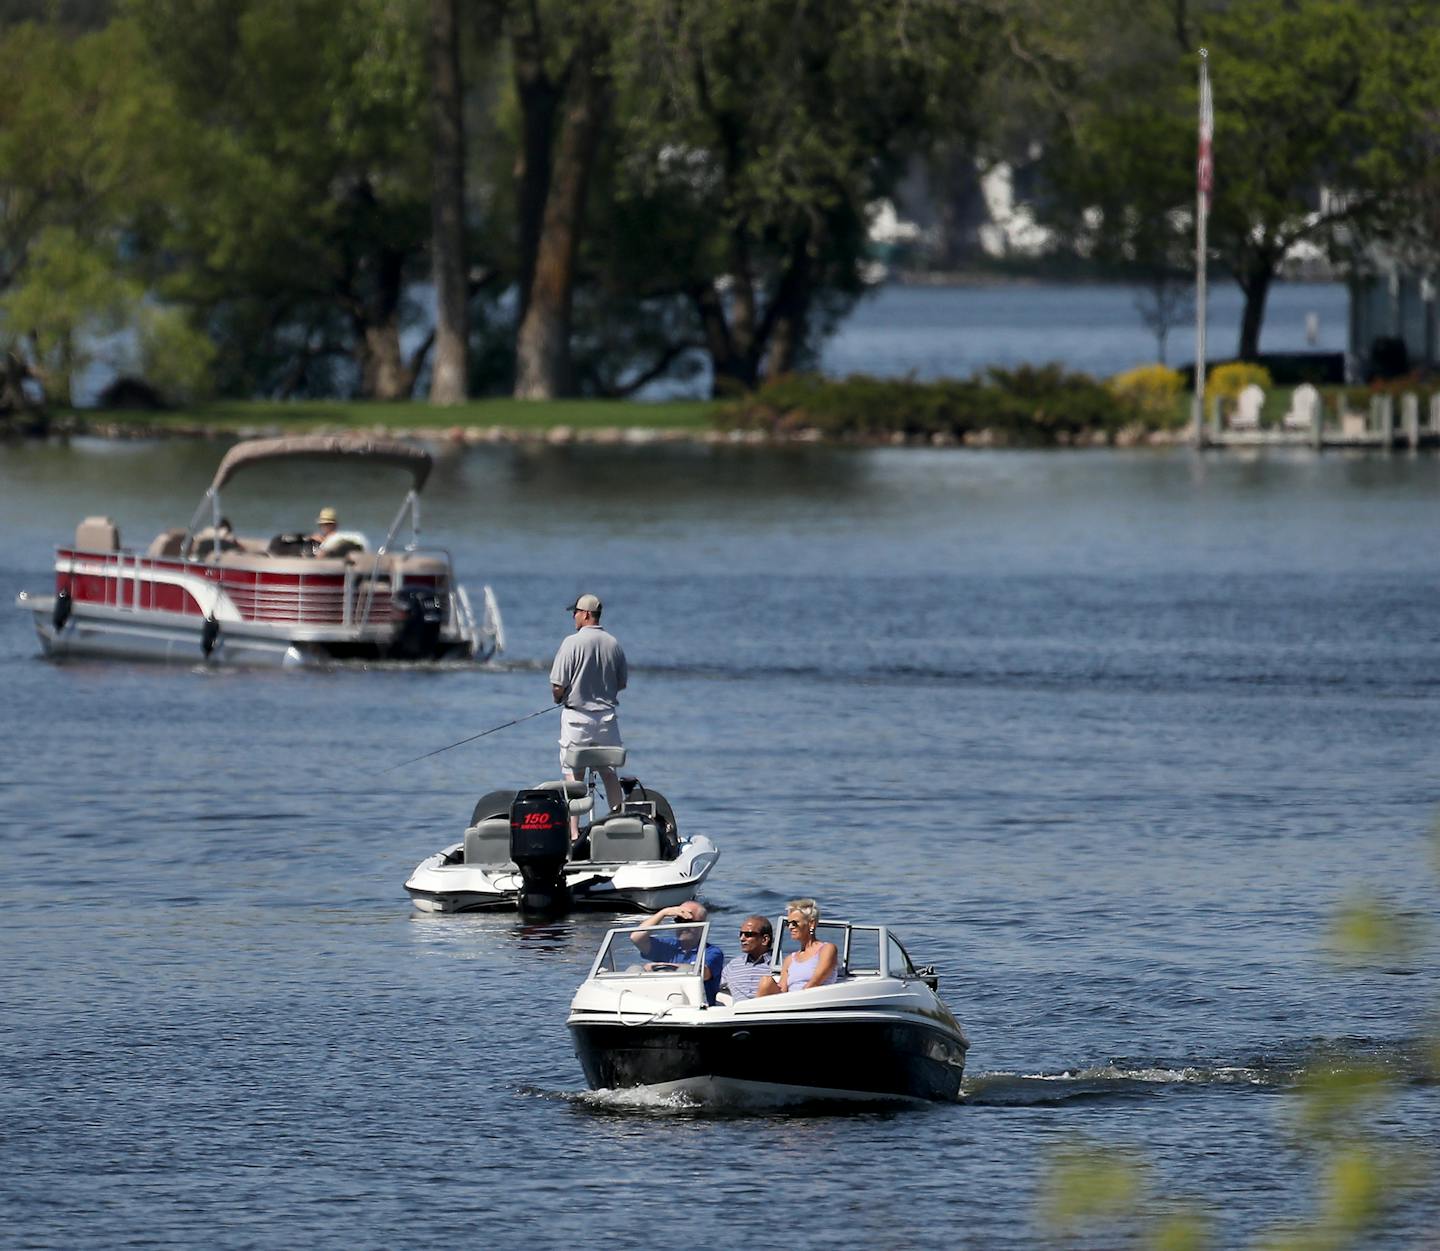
(1304, 410)
(1247, 409)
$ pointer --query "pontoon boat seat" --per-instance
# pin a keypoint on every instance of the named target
(204, 543)
(97, 534)
(594, 757)
(166, 544)
(488, 843)
(623, 837)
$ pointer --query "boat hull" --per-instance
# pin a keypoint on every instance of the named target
(822, 1058)
(101, 632)
(438, 885)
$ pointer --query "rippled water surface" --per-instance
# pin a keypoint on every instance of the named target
(1106, 736)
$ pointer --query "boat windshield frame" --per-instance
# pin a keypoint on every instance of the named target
(618, 942)
(844, 935)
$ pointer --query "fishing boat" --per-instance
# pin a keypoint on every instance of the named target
(517, 855)
(878, 1032)
(202, 593)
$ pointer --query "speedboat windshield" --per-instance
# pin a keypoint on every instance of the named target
(652, 949)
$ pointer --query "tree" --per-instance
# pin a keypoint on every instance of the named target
(1318, 115)
(561, 75)
(84, 160)
(304, 219)
(768, 128)
(449, 264)
(1163, 302)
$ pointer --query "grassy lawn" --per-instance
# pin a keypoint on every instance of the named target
(410, 415)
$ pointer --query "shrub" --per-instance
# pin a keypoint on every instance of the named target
(1031, 405)
(1153, 391)
(1227, 381)
(1051, 402)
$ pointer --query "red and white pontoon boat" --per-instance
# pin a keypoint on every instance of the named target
(204, 593)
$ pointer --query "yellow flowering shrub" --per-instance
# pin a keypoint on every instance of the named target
(1227, 381)
(1154, 390)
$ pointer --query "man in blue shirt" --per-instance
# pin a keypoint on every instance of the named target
(679, 947)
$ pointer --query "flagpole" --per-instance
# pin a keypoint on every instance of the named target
(1203, 176)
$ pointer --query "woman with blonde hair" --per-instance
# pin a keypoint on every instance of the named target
(814, 963)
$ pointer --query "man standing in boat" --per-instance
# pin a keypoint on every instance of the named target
(587, 677)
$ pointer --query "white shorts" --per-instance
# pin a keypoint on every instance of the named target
(588, 729)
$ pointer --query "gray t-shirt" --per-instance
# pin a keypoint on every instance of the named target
(590, 664)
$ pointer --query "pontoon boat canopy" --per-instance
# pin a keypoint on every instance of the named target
(325, 447)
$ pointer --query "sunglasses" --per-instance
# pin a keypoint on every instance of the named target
(796, 924)
(753, 934)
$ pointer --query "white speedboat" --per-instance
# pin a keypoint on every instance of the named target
(205, 593)
(879, 1032)
(516, 852)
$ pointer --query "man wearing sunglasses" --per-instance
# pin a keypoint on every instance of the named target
(742, 975)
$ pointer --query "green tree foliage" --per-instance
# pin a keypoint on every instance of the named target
(1319, 108)
(84, 135)
(305, 213)
(755, 134)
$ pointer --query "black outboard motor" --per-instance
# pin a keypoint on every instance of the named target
(417, 634)
(539, 843)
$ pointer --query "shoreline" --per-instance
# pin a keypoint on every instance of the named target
(561, 435)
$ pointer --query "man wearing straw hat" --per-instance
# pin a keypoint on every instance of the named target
(587, 677)
(325, 526)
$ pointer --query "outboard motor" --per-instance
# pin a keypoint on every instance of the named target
(417, 635)
(539, 844)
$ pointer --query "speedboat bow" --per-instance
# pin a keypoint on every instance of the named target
(878, 1032)
(516, 852)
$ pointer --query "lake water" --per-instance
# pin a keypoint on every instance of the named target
(939, 332)
(950, 332)
(1107, 736)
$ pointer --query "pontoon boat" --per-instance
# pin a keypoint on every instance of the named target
(203, 593)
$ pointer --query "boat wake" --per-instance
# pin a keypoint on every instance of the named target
(1403, 1061)
(1118, 1079)
(651, 1101)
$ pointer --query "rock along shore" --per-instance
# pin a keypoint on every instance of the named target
(612, 436)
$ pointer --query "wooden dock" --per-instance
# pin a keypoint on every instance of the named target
(1374, 430)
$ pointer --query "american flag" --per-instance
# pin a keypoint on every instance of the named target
(1205, 163)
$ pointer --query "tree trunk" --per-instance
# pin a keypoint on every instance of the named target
(1255, 282)
(376, 317)
(382, 371)
(785, 320)
(539, 98)
(542, 345)
(731, 371)
(447, 208)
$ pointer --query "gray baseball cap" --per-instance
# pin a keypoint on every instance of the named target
(586, 603)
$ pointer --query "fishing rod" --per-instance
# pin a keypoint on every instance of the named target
(529, 716)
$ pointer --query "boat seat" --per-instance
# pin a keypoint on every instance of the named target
(205, 543)
(97, 534)
(166, 544)
(594, 757)
(488, 843)
(576, 796)
(622, 837)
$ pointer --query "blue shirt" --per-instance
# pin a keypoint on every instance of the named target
(666, 949)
